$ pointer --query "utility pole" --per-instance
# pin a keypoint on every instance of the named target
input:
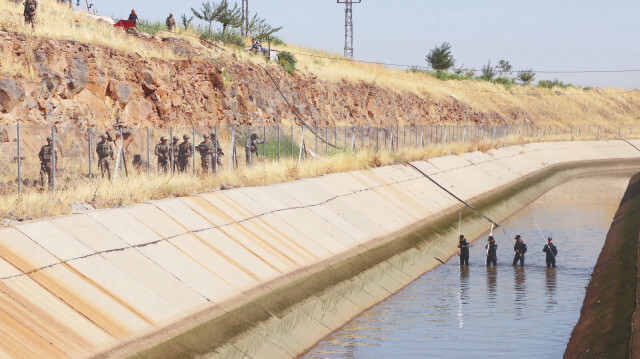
(348, 26)
(244, 26)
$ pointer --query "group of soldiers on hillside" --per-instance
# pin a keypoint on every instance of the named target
(177, 153)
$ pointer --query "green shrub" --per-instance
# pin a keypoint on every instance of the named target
(287, 61)
(551, 84)
(230, 38)
(151, 27)
(505, 81)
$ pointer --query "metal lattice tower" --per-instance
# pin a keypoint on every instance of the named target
(348, 26)
(244, 26)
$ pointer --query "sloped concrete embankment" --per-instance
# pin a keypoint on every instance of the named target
(609, 324)
(258, 272)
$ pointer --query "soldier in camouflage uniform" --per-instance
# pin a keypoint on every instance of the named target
(171, 22)
(185, 151)
(218, 150)
(162, 150)
(30, 8)
(104, 149)
(206, 150)
(46, 156)
(251, 148)
(174, 152)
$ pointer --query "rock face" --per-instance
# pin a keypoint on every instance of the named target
(90, 85)
(11, 93)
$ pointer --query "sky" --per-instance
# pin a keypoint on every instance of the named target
(543, 35)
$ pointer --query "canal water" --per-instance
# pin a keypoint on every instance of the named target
(502, 312)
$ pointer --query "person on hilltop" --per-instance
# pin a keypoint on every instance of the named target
(251, 147)
(46, 156)
(171, 22)
(162, 151)
(206, 150)
(551, 251)
(520, 248)
(104, 149)
(30, 8)
(185, 151)
(133, 17)
(492, 248)
(464, 250)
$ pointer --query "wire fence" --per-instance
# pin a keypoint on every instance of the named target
(74, 159)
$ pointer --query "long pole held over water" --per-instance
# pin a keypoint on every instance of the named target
(542, 235)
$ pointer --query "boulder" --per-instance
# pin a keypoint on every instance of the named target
(11, 93)
(76, 76)
(119, 91)
(149, 84)
(138, 110)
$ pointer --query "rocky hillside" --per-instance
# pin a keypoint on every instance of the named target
(45, 80)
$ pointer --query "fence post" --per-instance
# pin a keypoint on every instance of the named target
(171, 162)
(278, 142)
(264, 145)
(193, 150)
(404, 136)
(19, 165)
(362, 137)
(89, 154)
(346, 133)
(233, 148)
(149, 151)
(326, 140)
(215, 150)
(53, 158)
(302, 145)
(336, 132)
(292, 141)
(315, 130)
(250, 154)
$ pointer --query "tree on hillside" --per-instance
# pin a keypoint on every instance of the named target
(488, 72)
(227, 16)
(504, 67)
(206, 13)
(259, 29)
(526, 76)
(186, 22)
(440, 57)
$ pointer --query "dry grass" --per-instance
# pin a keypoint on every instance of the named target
(139, 188)
(605, 107)
(58, 21)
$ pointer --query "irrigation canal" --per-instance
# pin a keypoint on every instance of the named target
(453, 312)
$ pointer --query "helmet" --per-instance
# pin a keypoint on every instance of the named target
(549, 239)
(186, 137)
(176, 138)
(206, 135)
(49, 139)
(254, 136)
(461, 236)
(103, 136)
(213, 134)
(163, 138)
(517, 236)
(490, 238)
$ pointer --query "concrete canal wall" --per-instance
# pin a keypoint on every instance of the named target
(258, 272)
(609, 324)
